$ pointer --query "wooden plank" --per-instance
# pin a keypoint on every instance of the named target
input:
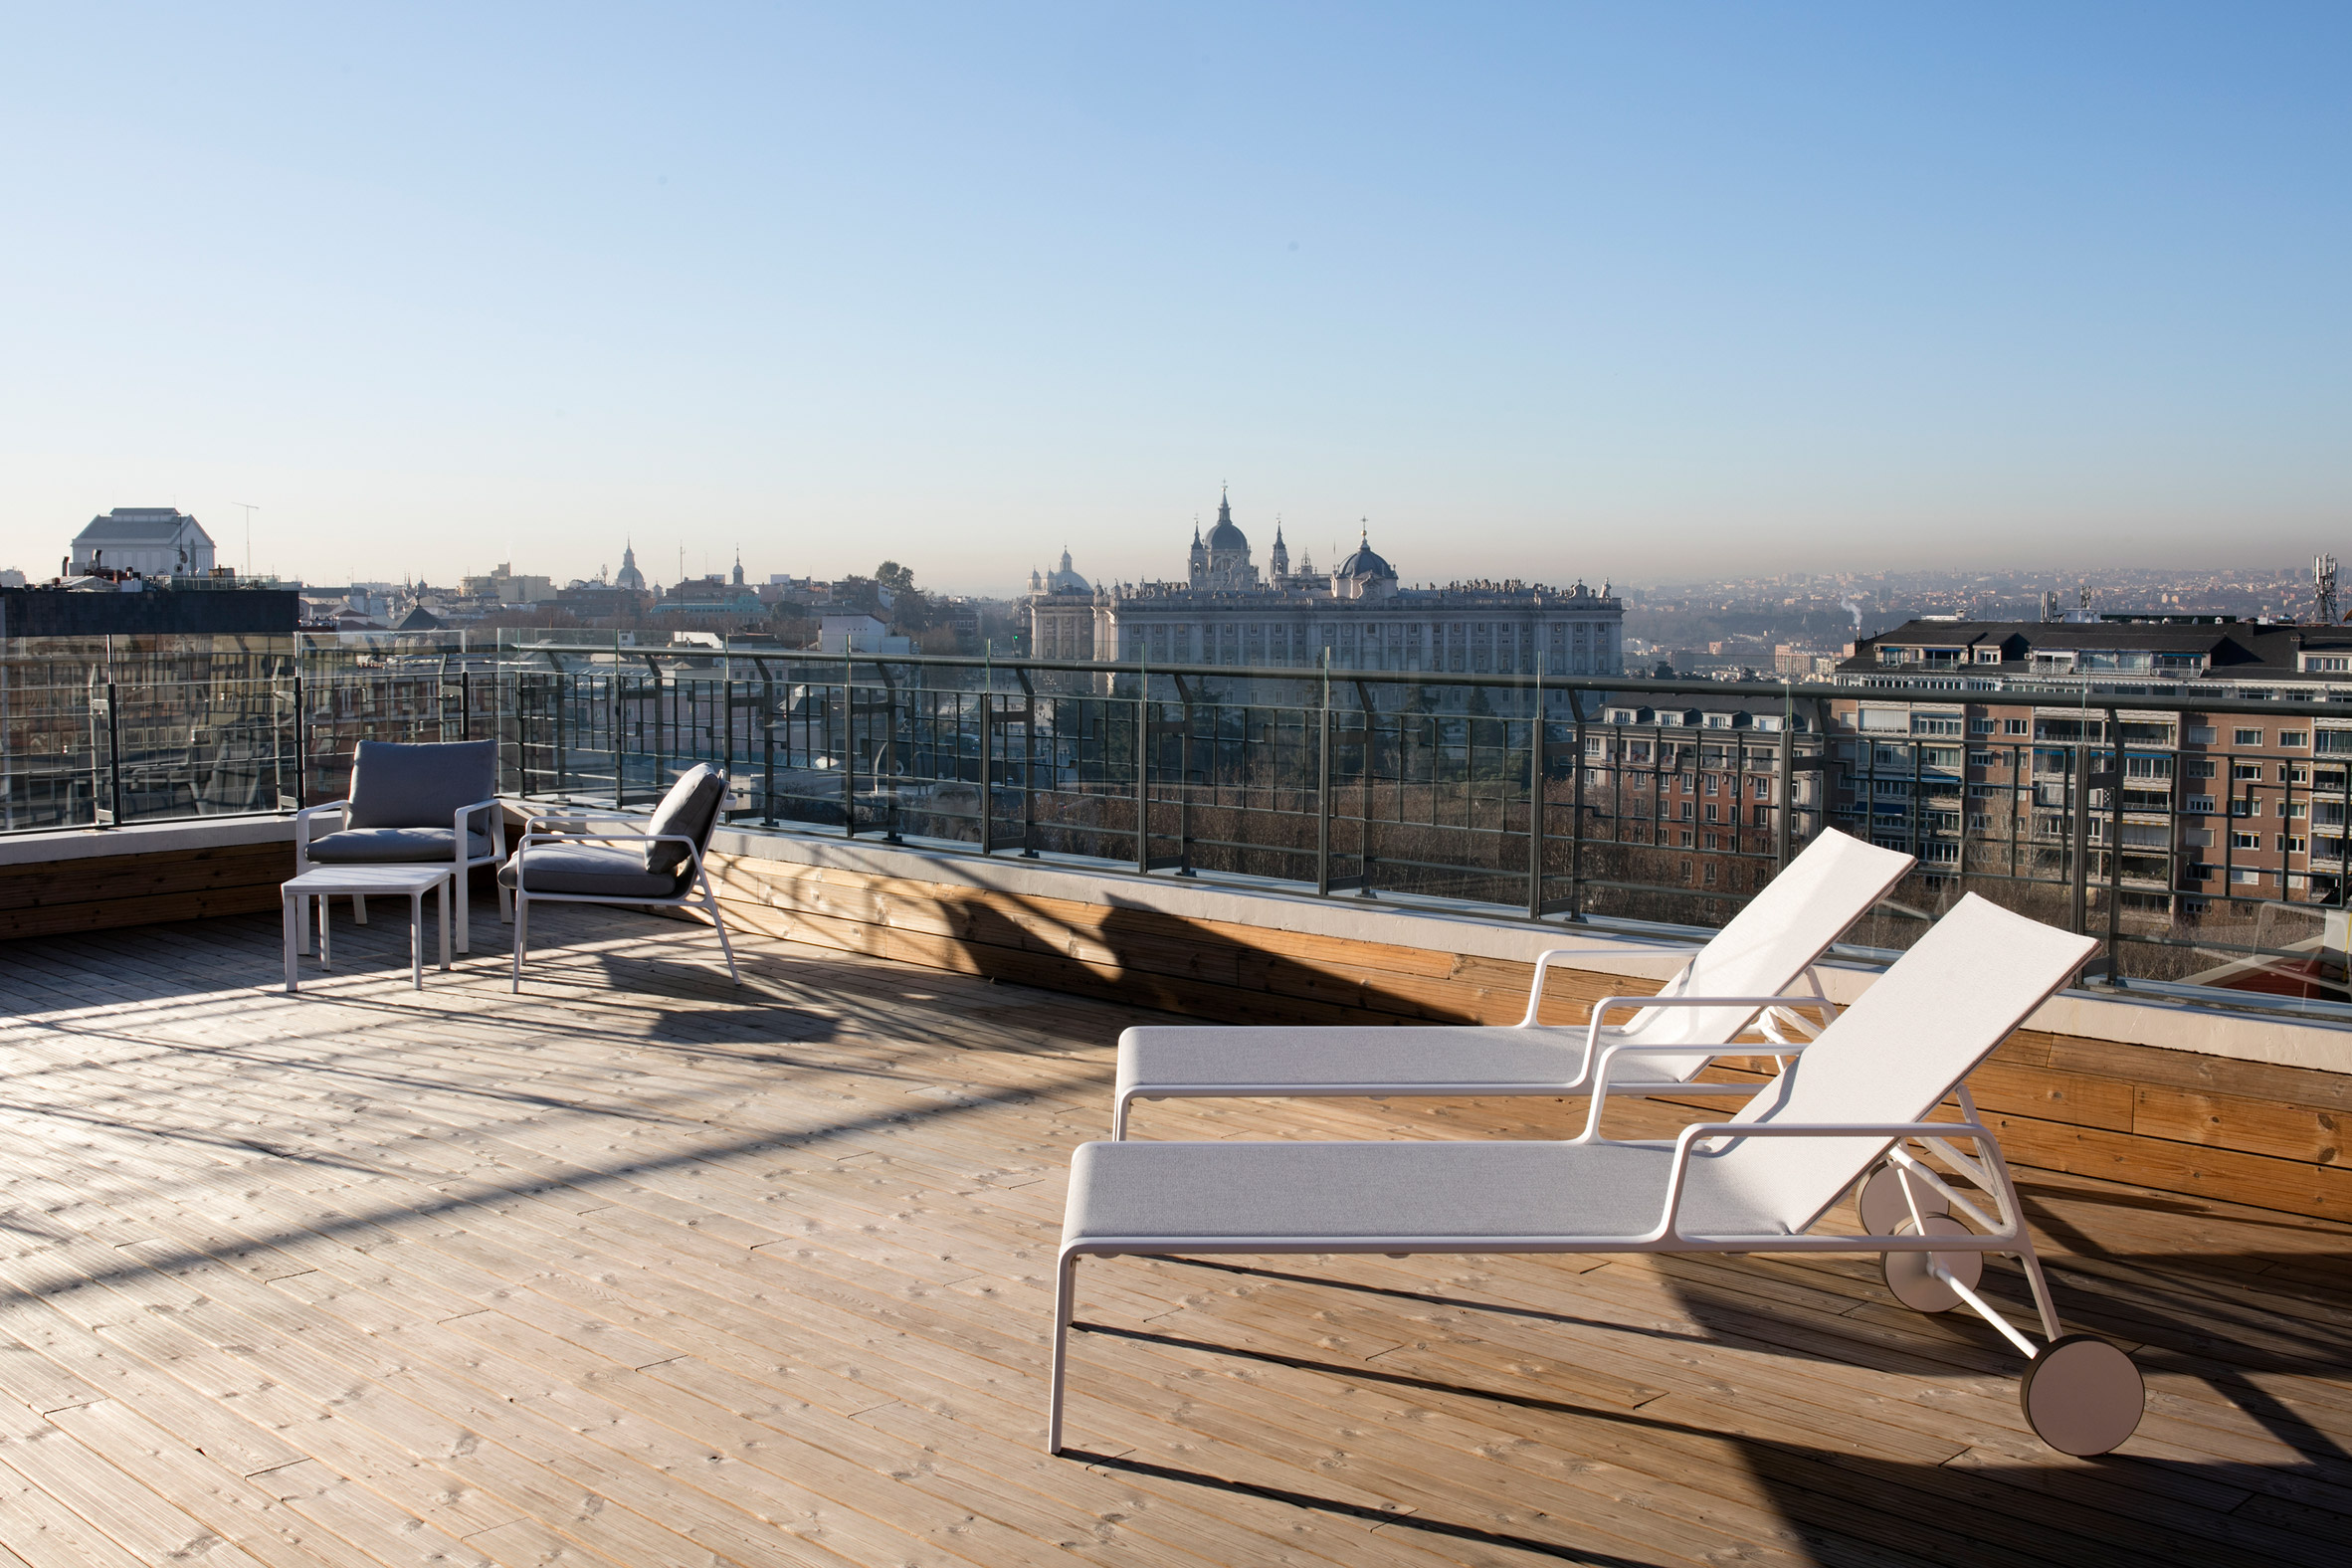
(2305, 1133)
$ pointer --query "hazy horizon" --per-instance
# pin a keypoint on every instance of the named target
(1599, 292)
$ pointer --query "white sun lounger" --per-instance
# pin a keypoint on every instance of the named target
(1757, 1183)
(1765, 949)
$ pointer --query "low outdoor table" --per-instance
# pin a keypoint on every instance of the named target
(326, 882)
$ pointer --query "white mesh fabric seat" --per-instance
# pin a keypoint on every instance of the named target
(1764, 949)
(1873, 1077)
(1452, 1192)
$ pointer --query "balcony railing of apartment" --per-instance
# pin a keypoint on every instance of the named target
(2217, 871)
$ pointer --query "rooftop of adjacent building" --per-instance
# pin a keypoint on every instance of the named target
(138, 524)
(2199, 646)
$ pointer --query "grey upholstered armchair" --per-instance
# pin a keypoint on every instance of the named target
(413, 805)
(639, 861)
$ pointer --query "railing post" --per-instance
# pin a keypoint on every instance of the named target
(1785, 786)
(768, 742)
(1368, 754)
(560, 696)
(1576, 800)
(1184, 741)
(302, 740)
(987, 772)
(1144, 776)
(849, 747)
(2078, 911)
(1323, 787)
(1028, 765)
(1535, 793)
(619, 736)
(2116, 844)
(113, 752)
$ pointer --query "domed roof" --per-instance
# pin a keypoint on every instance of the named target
(1064, 579)
(1224, 537)
(1366, 562)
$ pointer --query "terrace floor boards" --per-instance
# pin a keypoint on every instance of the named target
(637, 1268)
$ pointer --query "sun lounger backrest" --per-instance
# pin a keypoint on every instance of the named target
(1771, 941)
(1895, 1055)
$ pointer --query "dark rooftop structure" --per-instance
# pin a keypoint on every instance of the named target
(152, 612)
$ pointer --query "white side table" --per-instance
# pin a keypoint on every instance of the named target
(334, 881)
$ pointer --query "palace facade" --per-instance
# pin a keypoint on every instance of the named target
(1358, 616)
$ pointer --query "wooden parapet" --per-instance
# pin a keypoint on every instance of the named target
(49, 897)
(2178, 1120)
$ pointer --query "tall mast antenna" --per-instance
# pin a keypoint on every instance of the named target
(250, 509)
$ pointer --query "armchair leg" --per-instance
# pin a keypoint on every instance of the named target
(465, 907)
(1065, 1298)
(360, 908)
(522, 933)
(712, 903)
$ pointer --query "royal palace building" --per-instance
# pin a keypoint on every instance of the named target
(1358, 616)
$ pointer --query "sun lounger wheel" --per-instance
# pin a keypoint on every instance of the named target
(2082, 1394)
(1878, 1200)
(1909, 1276)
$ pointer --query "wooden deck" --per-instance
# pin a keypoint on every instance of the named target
(636, 1270)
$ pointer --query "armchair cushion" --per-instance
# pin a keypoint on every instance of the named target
(598, 871)
(689, 809)
(394, 846)
(397, 785)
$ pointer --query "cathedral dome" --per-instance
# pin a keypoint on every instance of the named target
(1224, 537)
(1064, 579)
(1366, 562)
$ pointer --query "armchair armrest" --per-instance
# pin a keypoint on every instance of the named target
(303, 829)
(533, 823)
(498, 827)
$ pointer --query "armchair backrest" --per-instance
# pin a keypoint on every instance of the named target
(399, 785)
(690, 809)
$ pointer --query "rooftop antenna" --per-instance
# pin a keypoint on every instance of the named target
(250, 509)
(2323, 584)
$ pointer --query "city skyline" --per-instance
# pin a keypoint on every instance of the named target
(1541, 294)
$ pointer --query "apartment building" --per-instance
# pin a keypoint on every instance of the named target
(2040, 745)
(1709, 791)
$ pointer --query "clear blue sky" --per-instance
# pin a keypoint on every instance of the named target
(1543, 291)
